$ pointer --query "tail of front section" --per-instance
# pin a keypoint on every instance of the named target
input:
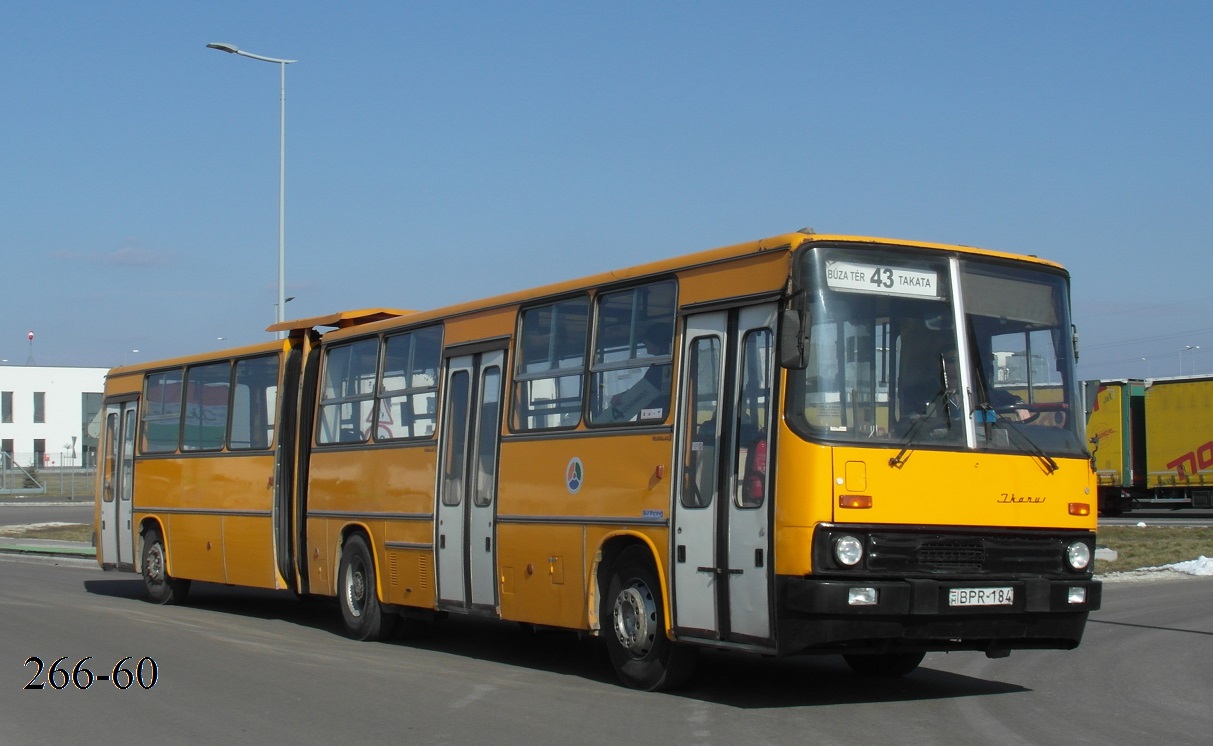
(933, 486)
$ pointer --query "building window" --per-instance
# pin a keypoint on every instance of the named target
(40, 406)
(6, 447)
(39, 452)
(6, 406)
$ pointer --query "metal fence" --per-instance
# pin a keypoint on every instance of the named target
(71, 482)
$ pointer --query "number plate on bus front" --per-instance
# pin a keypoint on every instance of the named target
(981, 596)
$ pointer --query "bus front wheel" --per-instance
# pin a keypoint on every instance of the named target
(364, 617)
(162, 588)
(642, 655)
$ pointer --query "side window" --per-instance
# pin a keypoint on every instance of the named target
(348, 397)
(162, 411)
(551, 365)
(753, 426)
(630, 377)
(699, 461)
(456, 427)
(408, 396)
(254, 404)
(206, 400)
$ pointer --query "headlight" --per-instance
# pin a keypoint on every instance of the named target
(1078, 555)
(848, 550)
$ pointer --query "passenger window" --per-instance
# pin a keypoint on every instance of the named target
(206, 402)
(630, 377)
(348, 397)
(162, 411)
(408, 397)
(551, 365)
(254, 403)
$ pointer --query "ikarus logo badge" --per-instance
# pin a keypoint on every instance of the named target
(574, 475)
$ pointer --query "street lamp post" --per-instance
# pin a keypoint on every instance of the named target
(232, 49)
(1192, 349)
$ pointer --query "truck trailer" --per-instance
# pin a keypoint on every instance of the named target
(1152, 442)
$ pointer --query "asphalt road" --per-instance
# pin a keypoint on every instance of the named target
(242, 666)
(47, 512)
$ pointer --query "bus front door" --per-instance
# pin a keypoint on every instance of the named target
(467, 495)
(721, 531)
(117, 487)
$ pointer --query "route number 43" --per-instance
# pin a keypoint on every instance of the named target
(882, 277)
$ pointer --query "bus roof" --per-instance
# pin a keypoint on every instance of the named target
(784, 242)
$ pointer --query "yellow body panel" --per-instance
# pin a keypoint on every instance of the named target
(389, 492)
(216, 515)
(931, 488)
(943, 488)
(546, 564)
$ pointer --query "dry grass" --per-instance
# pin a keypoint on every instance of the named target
(1152, 546)
(60, 532)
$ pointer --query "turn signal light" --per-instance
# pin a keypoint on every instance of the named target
(1080, 509)
(855, 501)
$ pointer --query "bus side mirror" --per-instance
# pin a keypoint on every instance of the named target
(793, 340)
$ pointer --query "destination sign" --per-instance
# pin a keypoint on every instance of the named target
(881, 279)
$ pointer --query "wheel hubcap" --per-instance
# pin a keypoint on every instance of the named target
(355, 589)
(635, 619)
(155, 564)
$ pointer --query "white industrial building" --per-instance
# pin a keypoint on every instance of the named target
(48, 415)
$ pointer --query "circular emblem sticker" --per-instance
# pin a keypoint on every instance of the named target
(574, 475)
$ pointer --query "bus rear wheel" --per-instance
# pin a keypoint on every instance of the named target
(364, 617)
(642, 655)
(884, 665)
(162, 588)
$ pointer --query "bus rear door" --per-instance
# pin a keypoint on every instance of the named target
(467, 492)
(117, 488)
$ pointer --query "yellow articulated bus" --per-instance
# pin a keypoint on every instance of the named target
(804, 444)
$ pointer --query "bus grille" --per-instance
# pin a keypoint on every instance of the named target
(952, 555)
(938, 554)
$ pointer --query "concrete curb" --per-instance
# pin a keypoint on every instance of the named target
(45, 503)
(71, 553)
(18, 545)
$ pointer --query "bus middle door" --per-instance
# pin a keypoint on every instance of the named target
(467, 492)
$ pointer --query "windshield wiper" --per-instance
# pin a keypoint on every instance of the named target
(944, 396)
(1020, 438)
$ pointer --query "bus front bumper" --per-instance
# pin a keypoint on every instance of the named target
(990, 614)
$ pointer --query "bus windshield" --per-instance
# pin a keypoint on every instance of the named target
(930, 350)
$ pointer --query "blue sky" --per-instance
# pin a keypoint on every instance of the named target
(443, 151)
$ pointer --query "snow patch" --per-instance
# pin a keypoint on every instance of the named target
(1202, 567)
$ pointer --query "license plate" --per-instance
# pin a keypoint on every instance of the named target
(981, 596)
